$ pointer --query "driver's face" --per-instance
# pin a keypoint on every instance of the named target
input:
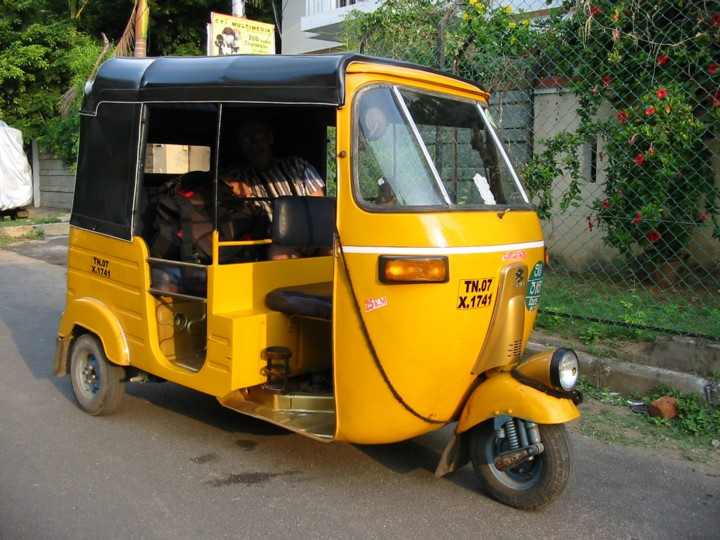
(256, 144)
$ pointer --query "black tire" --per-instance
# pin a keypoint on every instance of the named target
(533, 483)
(98, 384)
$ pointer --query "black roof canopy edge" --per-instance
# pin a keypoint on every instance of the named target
(289, 79)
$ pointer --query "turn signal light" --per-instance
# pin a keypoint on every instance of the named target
(409, 269)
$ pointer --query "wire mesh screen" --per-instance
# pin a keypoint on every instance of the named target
(611, 112)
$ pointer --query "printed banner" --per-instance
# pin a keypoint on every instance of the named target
(235, 35)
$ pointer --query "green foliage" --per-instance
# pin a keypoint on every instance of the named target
(559, 156)
(616, 422)
(694, 417)
(48, 50)
(384, 31)
(62, 131)
(178, 28)
(646, 77)
(34, 38)
(483, 41)
(654, 65)
(498, 46)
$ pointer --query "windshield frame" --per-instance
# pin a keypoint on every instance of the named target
(445, 200)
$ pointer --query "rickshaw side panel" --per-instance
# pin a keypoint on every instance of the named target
(107, 272)
(114, 273)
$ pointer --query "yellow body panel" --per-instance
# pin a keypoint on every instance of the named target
(108, 282)
(500, 395)
(425, 343)
(95, 317)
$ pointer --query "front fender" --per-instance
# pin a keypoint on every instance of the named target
(501, 394)
(95, 317)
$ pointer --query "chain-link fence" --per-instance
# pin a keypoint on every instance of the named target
(611, 110)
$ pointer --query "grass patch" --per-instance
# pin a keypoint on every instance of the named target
(625, 303)
(35, 234)
(610, 418)
(7, 221)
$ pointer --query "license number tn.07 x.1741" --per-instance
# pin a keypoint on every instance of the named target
(475, 293)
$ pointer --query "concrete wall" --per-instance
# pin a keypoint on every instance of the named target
(57, 183)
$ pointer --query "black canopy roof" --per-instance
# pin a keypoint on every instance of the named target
(311, 79)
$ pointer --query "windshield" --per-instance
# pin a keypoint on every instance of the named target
(416, 148)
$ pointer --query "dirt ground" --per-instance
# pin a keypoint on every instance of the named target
(620, 425)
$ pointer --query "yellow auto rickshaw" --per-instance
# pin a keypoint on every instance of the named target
(416, 309)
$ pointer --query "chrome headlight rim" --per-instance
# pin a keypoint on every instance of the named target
(564, 369)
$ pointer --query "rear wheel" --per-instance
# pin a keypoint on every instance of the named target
(97, 383)
(531, 484)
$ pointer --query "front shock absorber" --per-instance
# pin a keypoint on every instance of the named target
(533, 432)
(511, 434)
(519, 432)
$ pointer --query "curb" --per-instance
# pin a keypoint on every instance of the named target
(48, 229)
(627, 378)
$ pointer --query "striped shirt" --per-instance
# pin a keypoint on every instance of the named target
(285, 176)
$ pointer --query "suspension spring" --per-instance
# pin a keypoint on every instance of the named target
(512, 435)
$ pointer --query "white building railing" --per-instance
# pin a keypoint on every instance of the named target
(317, 7)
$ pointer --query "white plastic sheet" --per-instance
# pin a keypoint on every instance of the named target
(15, 172)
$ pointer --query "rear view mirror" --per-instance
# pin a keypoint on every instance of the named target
(373, 123)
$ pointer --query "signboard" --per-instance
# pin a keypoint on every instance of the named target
(236, 35)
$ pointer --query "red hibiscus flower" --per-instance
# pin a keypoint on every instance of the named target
(650, 110)
(622, 117)
(651, 150)
(653, 236)
(615, 16)
(595, 10)
(606, 81)
(606, 204)
(662, 93)
(639, 159)
(637, 219)
(712, 68)
(714, 20)
(662, 59)
(716, 100)
(703, 217)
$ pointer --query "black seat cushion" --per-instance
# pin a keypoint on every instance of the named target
(304, 221)
(312, 300)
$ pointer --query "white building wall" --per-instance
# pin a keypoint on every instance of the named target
(569, 234)
(294, 39)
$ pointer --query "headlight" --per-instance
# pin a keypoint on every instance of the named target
(555, 369)
(564, 369)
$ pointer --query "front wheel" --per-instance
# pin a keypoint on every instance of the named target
(98, 384)
(531, 484)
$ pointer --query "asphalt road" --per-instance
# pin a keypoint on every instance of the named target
(173, 464)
